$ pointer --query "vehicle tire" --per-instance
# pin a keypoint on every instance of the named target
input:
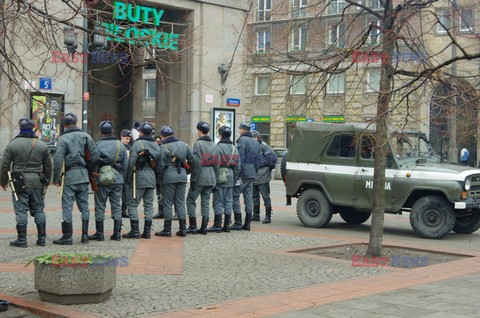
(432, 217)
(352, 216)
(467, 223)
(283, 167)
(313, 208)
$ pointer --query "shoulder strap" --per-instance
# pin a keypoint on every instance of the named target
(169, 149)
(117, 153)
(231, 156)
(30, 153)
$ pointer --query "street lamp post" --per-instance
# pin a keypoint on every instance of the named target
(99, 44)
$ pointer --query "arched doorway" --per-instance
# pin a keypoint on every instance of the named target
(454, 120)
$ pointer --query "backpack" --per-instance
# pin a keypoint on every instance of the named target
(108, 174)
(223, 171)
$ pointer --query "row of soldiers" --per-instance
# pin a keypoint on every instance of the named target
(114, 171)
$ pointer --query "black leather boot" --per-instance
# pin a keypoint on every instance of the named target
(268, 215)
(217, 224)
(203, 228)
(159, 215)
(84, 239)
(42, 234)
(134, 231)
(146, 230)
(237, 225)
(66, 238)
(21, 241)
(246, 226)
(256, 214)
(182, 231)
(117, 229)
(192, 229)
(167, 229)
(98, 236)
(226, 222)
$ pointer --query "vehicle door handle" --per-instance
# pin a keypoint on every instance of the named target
(364, 170)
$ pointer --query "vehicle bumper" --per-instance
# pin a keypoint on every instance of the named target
(470, 203)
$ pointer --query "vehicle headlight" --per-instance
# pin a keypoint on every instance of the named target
(468, 184)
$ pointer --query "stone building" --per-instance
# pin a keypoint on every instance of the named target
(291, 41)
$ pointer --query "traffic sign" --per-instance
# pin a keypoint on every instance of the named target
(254, 126)
(45, 83)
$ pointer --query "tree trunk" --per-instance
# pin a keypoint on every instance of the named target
(381, 141)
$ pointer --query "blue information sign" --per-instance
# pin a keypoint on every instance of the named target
(233, 101)
(310, 120)
(45, 83)
(254, 126)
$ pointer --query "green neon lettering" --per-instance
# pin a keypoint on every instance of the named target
(119, 11)
(145, 36)
(173, 42)
(145, 14)
(157, 15)
(131, 8)
(135, 35)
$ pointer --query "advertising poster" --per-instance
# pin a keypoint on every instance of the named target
(46, 113)
(223, 117)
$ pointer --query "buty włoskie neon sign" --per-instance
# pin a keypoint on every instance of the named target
(134, 35)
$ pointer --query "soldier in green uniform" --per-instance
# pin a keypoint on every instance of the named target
(175, 155)
(262, 180)
(202, 181)
(249, 150)
(113, 156)
(142, 164)
(73, 149)
(27, 154)
(229, 159)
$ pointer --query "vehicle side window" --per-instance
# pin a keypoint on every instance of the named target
(342, 146)
(367, 147)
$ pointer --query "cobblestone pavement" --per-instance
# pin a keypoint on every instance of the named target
(222, 268)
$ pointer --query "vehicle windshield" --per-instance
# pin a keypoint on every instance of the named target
(412, 146)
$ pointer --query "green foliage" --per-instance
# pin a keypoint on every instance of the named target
(53, 258)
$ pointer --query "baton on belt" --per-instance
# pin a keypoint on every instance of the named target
(12, 185)
(62, 180)
(134, 183)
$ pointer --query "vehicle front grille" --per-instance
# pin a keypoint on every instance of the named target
(474, 192)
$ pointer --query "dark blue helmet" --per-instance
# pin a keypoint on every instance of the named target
(26, 123)
(70, 119)
(203, 127)
(106, 127)
(166, 131)
(146, 128)
(225, 131)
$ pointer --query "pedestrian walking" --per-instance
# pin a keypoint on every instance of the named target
(113, 164)
(229, 160)
(464, 156)
(202, 181)
(141, 175)
(27, 167)
(176, 158)
(126, 138)
(266, 163)
(249, 150)
(76, 154)
(136, 131)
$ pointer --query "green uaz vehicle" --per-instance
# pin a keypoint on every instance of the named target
(329, 168)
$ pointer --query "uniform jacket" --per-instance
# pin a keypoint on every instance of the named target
(146, 178)
(264, 173)
(167, 169)
(15, 155)
(204, 172)
(223, 151)
(108, 148)
(71, 149)
(249, 150)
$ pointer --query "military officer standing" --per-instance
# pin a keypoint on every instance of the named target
(126, 137)
(113, 164)
(229, 159)
(249, 150)
(141, 176)
(175, 157)
(262, 180)
(75, 149)
(202, 181)
(28, 156)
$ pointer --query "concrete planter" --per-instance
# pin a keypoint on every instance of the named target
(75, 285)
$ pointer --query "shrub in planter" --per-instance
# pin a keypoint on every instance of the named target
(68, 278)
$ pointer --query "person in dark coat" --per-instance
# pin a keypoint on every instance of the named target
(175, 156)
(249, 150)
(72, 148)
(29, 155)
(112, 154)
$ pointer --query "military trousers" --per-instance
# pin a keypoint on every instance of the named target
(223, 200)
(125, 197)
(112, 192)
(30, 200)
(148, 196)
(174, 194)
(246, 188)
(204, 193)
(75, 192)
(264, 190)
